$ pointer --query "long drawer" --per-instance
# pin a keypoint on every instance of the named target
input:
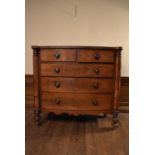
(77, 70)
(83, 85)
(72, 101)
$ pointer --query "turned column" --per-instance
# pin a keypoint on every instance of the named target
(117, 87)
(37, 110)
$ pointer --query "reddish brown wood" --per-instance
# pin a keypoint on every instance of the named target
(29, 102)
(77, 70)
(78, 74)
(83, 85)
(56, 55)
(117, 88)
(77, 47)
(99, 56)
(29, 86)
(78, 112)
(124, 95)
(73, 101)
(36, 85)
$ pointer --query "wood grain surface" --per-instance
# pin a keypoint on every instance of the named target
(124, 98)
(73, 101)
(98, 56)
(82, 135)
(77, 70)
(57, 55)
(81, 85)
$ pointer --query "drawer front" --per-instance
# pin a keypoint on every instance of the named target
(77, 70)
(83, 85)
(95, 56)
(57, 55)
(72, 101)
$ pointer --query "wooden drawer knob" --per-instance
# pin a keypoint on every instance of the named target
(94, 102)
(57, 101)
(57, 55)
(57, 84)
(57, 70)
(96, 85)
(97, 56)
(97, 71)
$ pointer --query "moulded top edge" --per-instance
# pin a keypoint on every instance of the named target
(77, 47)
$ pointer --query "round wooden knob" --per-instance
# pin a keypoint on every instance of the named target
(57, 55)
(96, 85)
(57, 84)
(57, 101)
(57, 70)
(94, 102)
(97, 71)
(97, 56)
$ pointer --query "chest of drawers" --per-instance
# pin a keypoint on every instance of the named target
(76, 80)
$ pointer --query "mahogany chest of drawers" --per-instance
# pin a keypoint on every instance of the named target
(76, 80)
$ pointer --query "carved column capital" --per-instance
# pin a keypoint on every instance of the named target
(118, 53)
(35, 51)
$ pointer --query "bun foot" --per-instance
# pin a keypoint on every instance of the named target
(38, 117)
(104, 115)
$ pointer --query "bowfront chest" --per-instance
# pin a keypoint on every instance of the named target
(76, 80)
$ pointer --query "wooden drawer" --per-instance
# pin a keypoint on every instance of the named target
(95, 56)
(57, 55)
(77, 70)
(72, 101)
(85, 85)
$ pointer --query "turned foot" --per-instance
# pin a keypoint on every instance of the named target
(115, 118)
(37, 117)
(104, 115)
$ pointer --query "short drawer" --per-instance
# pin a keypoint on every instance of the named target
(83, 85)
(77, 70)
(72, 101)
(55, 55)
(100, 56)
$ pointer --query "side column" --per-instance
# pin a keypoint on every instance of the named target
(117, 87)
(37, 110)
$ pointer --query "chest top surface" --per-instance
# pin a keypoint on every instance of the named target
(77, 47)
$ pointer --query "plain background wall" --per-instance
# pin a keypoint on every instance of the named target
(96, 22)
